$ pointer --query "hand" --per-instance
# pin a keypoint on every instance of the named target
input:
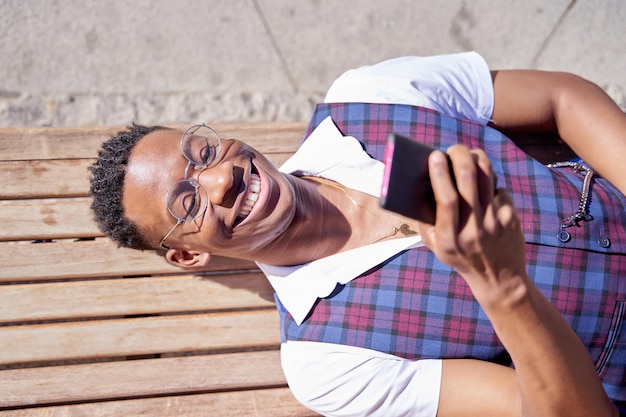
(477, 231)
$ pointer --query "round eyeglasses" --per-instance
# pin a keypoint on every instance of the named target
(187, 199)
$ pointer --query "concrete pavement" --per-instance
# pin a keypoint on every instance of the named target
(86, 62)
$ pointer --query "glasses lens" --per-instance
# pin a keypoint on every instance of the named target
(201, 145)
(186, 200)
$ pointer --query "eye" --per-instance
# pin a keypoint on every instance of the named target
(190, 205)
(201, 145)
(206, 154)
(186, 200)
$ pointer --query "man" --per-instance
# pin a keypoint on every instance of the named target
(364, 322)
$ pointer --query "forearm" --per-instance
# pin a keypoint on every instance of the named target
(583, 114)
(555, 374)
(595, 128)
(480, 235)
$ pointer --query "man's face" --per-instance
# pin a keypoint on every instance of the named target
(224, 229)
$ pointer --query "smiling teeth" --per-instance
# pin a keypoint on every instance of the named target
(252, 197)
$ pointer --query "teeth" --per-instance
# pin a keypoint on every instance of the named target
(252, 197)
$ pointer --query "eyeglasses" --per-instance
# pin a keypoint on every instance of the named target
(187, 199)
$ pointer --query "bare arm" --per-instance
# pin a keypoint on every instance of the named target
(479, 234)
(582, 113)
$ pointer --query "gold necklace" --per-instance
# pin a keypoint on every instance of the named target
(404, 227)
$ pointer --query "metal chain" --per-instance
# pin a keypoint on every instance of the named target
(583, 206)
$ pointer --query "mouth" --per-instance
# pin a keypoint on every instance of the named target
(252, 196)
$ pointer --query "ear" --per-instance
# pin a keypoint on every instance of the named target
(187, 259)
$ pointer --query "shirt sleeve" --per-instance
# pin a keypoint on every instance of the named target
(338, 380)
(457, 85)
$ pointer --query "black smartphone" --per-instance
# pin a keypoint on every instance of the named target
(406, 184)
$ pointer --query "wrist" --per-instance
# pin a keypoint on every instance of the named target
(504, 295)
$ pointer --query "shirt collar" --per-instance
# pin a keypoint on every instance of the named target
(329, 154)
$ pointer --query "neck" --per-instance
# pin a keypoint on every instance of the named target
(319, 228)
(328, 220)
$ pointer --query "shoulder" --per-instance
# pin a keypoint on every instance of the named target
(457, 85)
(338, 380)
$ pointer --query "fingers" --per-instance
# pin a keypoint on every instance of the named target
(505, 210)
(444, 189)
(468, 185)
(474, 173)
(464, 203)
(485, 177)
(477, 230)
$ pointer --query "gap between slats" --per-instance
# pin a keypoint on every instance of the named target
(141, 378)
(271, 402)
(134, 296)
(70, 259)
(175, 334)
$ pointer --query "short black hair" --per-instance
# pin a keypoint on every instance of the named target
(107, 187)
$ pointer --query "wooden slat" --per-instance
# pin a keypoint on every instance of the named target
(60, 178)
(141, 336)
(141, 378)
(33, 143)
(46, 324)
(47, 219)
(21, 144)
(22, 261)
(44, 179)
(275, 402)
(122, 297)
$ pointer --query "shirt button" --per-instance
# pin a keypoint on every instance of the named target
(564, 236)
(605, 242)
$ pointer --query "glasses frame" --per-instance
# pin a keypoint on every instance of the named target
(190, 131)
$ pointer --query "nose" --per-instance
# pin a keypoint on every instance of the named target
(219, 182)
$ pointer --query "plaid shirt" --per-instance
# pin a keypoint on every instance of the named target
(413, 306)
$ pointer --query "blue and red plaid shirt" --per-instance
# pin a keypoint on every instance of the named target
(414, 306)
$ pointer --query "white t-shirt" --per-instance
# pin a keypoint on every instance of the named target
(341, 380)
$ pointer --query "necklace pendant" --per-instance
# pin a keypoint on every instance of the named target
(405, 230)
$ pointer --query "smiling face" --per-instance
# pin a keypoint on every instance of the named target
(250, 203)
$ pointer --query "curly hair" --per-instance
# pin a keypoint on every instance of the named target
(107, 187)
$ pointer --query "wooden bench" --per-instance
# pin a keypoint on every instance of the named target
(89, 329)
